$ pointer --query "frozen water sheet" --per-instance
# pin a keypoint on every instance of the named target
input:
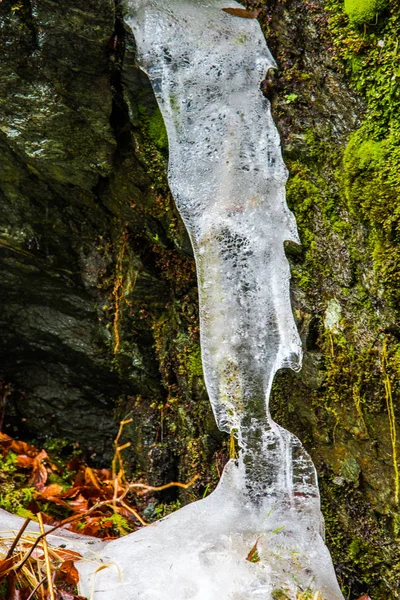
(200, 553)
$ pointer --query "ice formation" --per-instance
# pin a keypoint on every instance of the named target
(228, 178)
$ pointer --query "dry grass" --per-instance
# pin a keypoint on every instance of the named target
(31, 569)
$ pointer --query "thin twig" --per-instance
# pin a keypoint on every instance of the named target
(33, 592)
(49, 531)
(17, 538)
(46, 557)
(151, 488)
(134, 513)
(119, 500)
(117, 456)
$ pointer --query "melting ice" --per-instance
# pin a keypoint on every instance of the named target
(228, 178)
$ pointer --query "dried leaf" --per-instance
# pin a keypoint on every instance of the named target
(12, 592)
(69, 572)
(364, 597)
(89, 491)
(39, 473)
(125, 512)
(242, 13)
(103, 474)
(21, 594)
(90, 477)
(23, 448)
(80, 504)
(25, 462)
(64, 554)
(17, 446)
(5, 440)
(74, 464)
(92, 526)
(71, 493)
(5, 565)
(54, 489)
(54, 499)
(253, 555)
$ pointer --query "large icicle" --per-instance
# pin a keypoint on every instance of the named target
(228, 179)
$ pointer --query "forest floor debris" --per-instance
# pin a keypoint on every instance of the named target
(95, 502)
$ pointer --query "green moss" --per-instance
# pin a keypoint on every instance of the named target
(157, 131)
(366, 558)
(303, 195)
(15, 491)
(372, 179)
(346, 199)
(363, 11)
(153, 127)
(279, 595)
(371, 184)
(121, 524)
(369, 56)
(194, 364)
(15, 499)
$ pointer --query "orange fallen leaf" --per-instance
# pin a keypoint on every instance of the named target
(253, 554)
(54, 489)
(90, 478)
(26, 462)
(18, 447)
(242, 13)
(39, 472)
(103, 474)
(80, 504)
(65, 554)
(74, 491)
(23, 448)
(69, 572)
(92, 526)
(6, 565)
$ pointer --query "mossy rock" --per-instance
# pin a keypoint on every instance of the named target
(157, 131)
(363, 11)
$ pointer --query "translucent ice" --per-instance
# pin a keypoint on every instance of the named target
(203, 552)
(228, 179)
(259, 535)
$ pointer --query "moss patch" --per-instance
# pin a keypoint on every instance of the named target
(157, 131)
(363, 11)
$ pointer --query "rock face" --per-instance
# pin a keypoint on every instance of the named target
(98, 289)
(94, 262)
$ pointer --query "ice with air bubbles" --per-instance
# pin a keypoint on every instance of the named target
(260, 533)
